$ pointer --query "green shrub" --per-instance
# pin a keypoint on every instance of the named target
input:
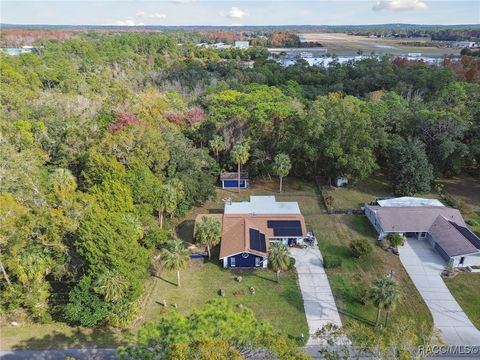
(299, 186)
(395, 240)
(291, 266)
(329, 200)
(331, 261)
(360, 293)
(384, 244)
(360, 248)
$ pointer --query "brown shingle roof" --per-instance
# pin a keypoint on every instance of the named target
(235, 231)
(233, 176)
(413, 219)
(450, 239)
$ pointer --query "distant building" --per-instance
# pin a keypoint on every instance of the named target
(242, 44)
(221, 45)
(464, 44)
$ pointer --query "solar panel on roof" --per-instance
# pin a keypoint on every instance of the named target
(257, 240)
(287, 232)
(285, 227)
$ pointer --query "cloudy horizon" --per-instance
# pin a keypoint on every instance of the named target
(238, 13)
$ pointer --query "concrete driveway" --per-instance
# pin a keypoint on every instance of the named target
(424, 266)
(319, 304)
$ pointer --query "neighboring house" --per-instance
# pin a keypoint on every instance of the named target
(230, 180)
(427, 219)
(249, 227)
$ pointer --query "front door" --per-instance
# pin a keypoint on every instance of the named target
(462, 260)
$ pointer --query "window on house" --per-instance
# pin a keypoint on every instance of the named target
(232, 262)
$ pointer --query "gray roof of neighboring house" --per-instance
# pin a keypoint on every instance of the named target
(455, 240)
(413, 219)
(409, 201)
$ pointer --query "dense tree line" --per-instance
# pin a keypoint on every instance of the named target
(105, 138)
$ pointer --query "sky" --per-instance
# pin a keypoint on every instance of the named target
(238, 12)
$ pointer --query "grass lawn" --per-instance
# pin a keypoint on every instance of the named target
(467, 190)
(350, 281)
(465, 288)
(278, 303)
(355, 195)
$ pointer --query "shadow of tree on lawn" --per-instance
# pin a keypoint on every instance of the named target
(77, 338)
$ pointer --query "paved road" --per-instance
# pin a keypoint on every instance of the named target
(320, 308)
(424, 266)
(78, 354)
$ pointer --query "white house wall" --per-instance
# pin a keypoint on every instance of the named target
(373, 220)
(284, 240)
(470, 260)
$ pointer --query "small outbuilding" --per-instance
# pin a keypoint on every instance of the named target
(230, 180)
(340, 181)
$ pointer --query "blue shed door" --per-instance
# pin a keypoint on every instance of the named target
(234, 183)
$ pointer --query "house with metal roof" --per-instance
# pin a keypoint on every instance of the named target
(249, 227)
(427, 220)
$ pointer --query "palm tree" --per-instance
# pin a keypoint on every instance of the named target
(395, 240)
(175, 257)
(282, 167)
(111, 285)
(208, 232)
(384, 294)
(240, 155)
(168, 197)
(217, 145)
(278, 258)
